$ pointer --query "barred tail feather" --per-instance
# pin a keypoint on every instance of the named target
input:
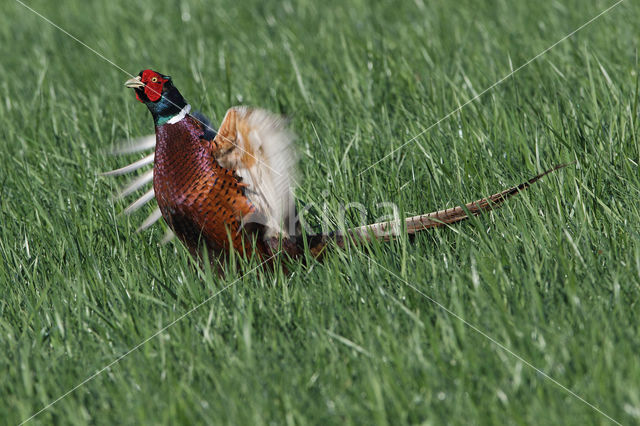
(386, 231)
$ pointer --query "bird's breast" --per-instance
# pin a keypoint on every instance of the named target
(200, 200)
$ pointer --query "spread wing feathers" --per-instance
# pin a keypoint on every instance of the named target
(258, 147)
(144, 199)
(168, 236)
(387, 230)
(155, 215)
(131, 167)
(136, 145)
(136, 184)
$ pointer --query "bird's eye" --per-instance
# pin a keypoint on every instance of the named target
(154, 79)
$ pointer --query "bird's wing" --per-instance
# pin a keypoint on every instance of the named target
(145, 143)
(258, 146)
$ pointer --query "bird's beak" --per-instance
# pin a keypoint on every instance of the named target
(134, 83)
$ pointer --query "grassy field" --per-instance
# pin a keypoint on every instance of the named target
(554, 276)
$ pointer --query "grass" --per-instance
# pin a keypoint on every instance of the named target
(554, 275)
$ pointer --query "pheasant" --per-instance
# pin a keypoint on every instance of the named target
(233, 189)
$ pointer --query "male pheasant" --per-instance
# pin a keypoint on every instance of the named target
(233, 189)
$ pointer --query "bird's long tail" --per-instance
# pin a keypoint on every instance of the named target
(386, 231)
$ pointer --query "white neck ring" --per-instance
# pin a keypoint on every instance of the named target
(182, 114)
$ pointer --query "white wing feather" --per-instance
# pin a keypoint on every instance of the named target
(131, 167)
(136, 145)
(263, 155)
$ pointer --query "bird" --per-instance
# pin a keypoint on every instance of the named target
(232, 189)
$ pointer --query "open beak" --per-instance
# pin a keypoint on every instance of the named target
(134, 83)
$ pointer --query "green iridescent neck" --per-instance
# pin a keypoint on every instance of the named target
(169, 108)
(173, 118)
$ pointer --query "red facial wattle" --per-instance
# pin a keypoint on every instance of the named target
(153, 85)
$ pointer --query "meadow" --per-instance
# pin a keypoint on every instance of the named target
(462, 325)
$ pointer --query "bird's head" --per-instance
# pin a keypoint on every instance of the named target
(158, 93)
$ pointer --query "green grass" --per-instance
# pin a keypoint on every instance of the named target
(554, 276)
